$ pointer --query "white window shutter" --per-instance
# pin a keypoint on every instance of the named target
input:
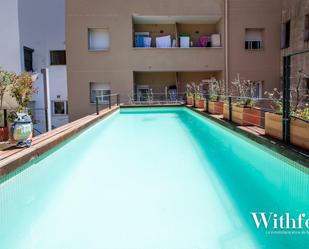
(98, 39)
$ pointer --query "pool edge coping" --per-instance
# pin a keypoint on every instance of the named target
(15, 161)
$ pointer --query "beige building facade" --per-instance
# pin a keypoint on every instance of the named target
(295, 38)
(128, 47)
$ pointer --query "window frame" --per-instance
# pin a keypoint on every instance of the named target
(51, 56)
(99, 92)
(249, 42)
(65, 105)
(286, 34)
(89, 40)
(259, 88)
(30, 52)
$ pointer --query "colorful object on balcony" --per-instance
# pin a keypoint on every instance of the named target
(163, 42)
(139, 41)
(22, 130)
(147, 42)
(215, 40)
(203, 41)
(184, 41)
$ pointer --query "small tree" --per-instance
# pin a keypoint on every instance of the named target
(6, 79)
(195, 90)
(276, 98)
(245, 89)
(216, 89)
(298, 94)
(22, 90)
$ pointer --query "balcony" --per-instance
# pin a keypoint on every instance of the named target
(177, 59)
(172, 32)
(162, 83)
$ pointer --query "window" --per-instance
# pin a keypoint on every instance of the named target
(306, 34)
(98, 39)
(57, 57)
(254, 38)
(257, 89)
(60, 107)
(285, 34)
(28, 59)
(100, 90)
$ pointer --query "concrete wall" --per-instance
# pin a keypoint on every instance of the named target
(259, 65)
(58, 91)
(9, 42)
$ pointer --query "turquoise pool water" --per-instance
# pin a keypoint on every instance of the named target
(152, 179)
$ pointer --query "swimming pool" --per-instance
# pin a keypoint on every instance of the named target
(159, 178)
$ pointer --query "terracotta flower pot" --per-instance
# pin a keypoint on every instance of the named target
(299, 131)
(215, 107)
(200, 103)
(189, 101)
(243, 115)
(4, 134)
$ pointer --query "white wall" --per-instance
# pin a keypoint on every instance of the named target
(58, 79)
(9, 41)
(42, 28)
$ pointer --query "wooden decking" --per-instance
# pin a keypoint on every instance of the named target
(12, 157)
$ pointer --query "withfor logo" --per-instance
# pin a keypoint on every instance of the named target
(285, 222)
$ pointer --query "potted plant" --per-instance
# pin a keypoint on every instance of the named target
(6, 79)
(215, 93)
(22, 89)
(199, 97)
(195, 96)
(299, 122)
(190, 94)
(244, 110)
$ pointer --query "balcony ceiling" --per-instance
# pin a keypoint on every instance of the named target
(207, 19)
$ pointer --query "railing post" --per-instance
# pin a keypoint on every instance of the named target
(118, 99)
(286, 99)
(97, 104)
(5, 117)
(230, 108)
(207, 103)
(109, 102)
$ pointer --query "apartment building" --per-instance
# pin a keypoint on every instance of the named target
(139, 46)
(32, 39)
(295, 38)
